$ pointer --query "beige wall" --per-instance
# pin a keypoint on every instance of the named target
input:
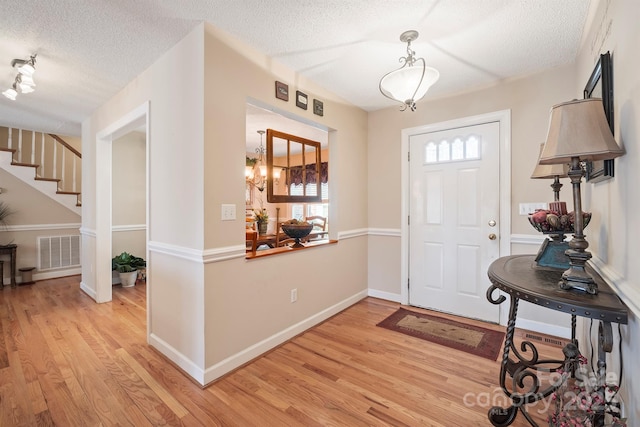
(258, 291)
(34, 215)
(615, 203)
(129, 195)
(529, 100)
(173, 88)
(210, 309)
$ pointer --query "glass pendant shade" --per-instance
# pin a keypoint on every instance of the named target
(410, 82)
(26, 69)
(10, 93)
(401, 84)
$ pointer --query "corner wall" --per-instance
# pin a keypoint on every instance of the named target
(615, 203)
(210, 309)
(247, 302)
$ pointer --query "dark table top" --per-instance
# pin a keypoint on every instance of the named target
(520, 276)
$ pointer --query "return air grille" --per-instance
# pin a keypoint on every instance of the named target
(58, 252)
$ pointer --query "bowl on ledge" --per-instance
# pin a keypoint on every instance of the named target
(297, 231)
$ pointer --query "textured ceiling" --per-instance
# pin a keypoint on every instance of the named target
(88, 50)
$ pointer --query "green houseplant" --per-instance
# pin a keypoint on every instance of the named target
(262, 219)
(5, 211)
(127, 266)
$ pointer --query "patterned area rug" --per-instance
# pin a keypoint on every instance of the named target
(472, 339)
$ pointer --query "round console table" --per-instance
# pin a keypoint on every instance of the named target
(522, 279)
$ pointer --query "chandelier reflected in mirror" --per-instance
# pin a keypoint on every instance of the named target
(256, 168)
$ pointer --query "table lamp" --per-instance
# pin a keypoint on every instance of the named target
(553, 222)
(578, 131)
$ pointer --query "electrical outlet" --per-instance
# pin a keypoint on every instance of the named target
(228, 212)
(294, 295)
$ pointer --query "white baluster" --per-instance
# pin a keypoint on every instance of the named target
(75, 159)
(19, 145)
(55, 160)
(63, 172)
(42, 157)
(33, 148)
(10, 139)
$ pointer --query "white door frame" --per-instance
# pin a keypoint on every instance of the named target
(135, 119)
(504, 119)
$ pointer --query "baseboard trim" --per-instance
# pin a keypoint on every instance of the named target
(544, 328)
(179, 359)
(52, 274)
(225, 366)
(385, 295)
(87, 290)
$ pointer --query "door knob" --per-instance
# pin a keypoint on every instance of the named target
(492, 236)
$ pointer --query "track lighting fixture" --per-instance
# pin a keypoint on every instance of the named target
(23, 83)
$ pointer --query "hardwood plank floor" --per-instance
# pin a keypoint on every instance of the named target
(67, 361)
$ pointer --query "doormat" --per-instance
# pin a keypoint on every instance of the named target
(460, 336)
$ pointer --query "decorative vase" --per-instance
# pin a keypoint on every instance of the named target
(262, 227)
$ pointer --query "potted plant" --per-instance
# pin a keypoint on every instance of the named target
(127, 266)
(262, 219)
(5, 211)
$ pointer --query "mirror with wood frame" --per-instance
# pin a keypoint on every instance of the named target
(293, 163)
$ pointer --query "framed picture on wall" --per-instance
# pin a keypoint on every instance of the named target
(282, 91)
(600, 85)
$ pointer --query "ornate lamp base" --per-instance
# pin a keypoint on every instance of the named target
(576, 277)
(552, 254)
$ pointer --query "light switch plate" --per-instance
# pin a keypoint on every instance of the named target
(228, 212)
(528, 208)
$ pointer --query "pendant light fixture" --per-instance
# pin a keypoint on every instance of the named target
(410, 82)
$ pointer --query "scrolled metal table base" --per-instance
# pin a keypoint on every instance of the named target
(526, 366)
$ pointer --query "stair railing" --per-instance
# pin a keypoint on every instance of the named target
(52, 152)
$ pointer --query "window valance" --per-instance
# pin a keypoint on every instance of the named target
(295, 174)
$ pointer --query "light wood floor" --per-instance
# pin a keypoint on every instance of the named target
(67, 361)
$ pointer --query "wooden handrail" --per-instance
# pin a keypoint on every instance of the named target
(65, 144)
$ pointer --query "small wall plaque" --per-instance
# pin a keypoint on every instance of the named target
(301, 100)
(282, 91)
(318, 107)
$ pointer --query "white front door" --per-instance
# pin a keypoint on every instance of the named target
(454, 212)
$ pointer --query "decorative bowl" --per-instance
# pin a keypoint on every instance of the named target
(297, 231)
(549, 222)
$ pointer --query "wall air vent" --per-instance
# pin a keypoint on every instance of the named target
(58, 252)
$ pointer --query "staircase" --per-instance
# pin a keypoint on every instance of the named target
(44, 161)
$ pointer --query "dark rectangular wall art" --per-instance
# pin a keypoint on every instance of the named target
(600, 84)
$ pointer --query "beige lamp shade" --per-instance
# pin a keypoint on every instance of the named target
(579, 129)
(549, 171)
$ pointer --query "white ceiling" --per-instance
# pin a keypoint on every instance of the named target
(88, 50)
